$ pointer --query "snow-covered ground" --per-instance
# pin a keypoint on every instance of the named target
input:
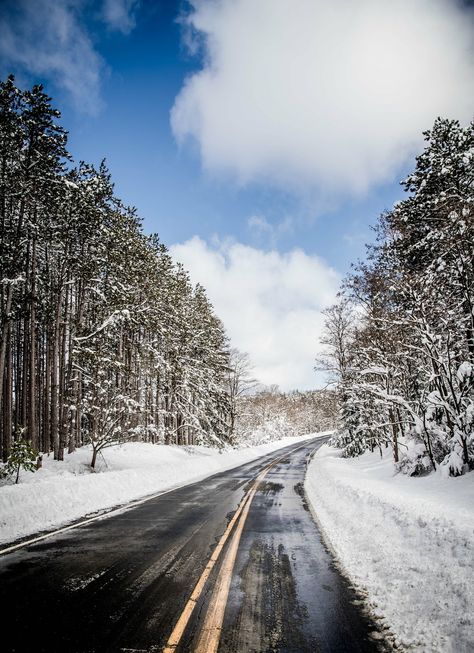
(407, 542)
(61, 492)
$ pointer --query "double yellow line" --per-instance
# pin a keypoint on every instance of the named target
(209, 636)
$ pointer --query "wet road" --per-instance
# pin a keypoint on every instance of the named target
(122, 583)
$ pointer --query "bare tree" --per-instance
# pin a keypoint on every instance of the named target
(240, 382)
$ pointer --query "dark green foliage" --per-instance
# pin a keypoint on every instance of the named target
(103, 338)
(22, 456)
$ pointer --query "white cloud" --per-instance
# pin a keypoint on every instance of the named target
(120, 14)
(323, 94)
(269, 302)
(46, 37)
(260, 224)
(50, 38)
(270, 233)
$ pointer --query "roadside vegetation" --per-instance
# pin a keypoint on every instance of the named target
(400, 341)
(103, 337)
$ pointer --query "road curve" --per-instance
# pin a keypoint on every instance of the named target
(234, 563)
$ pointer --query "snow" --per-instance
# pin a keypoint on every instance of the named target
(464, 372)
(407, 543)
(65, 491)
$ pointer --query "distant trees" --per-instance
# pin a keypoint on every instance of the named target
(409, 381)
(102, 336)
(268, 414)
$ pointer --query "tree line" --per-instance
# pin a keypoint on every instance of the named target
(399, 344)
(260, 413)
(102, 336)
(270, 414)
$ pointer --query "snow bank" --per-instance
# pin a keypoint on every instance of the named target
(61, 492)
(407, 542)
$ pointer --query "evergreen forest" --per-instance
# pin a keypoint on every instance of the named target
(103, 336)
(400, 341)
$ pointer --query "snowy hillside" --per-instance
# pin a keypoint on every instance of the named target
(408, 542)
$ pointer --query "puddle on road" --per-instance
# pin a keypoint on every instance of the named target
(268, 615)
(299, 489)
(267, 487)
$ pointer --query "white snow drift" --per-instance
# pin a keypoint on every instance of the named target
(408, 542)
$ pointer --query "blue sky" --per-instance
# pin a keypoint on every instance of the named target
(279, 155)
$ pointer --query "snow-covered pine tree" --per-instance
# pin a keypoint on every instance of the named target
(102, 336)
(414, 348)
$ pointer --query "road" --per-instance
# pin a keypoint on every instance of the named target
(234, 563)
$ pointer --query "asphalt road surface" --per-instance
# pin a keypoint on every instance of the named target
(234, 563)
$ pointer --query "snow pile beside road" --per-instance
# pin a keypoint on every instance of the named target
(61, 492)
(408, 542)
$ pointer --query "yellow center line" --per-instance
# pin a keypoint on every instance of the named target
(183, 620)
(210, 633)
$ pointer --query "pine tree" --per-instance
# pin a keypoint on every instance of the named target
(22, 456)
(414, 348)
(102, 336)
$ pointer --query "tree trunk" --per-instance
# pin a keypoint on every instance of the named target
(32, 426)
(395, 435)
(5, 335)
(55, 412)
(47, 438)
(7, 404)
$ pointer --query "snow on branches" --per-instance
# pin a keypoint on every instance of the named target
(403, 364)
(103, 337)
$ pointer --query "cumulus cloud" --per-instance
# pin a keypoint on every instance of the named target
(269, 302)
(327, 94)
